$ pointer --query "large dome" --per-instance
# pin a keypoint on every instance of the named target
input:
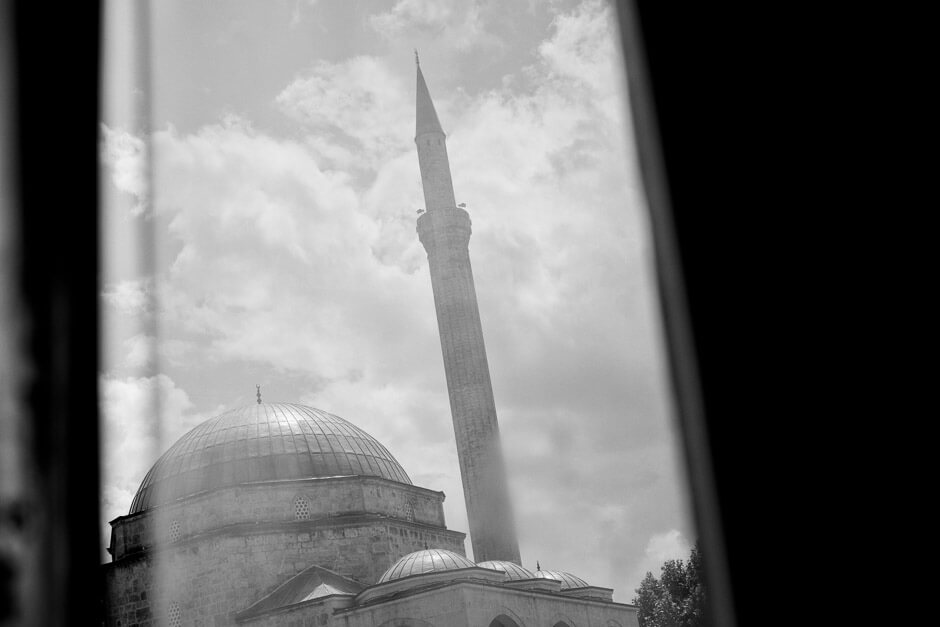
(264, 442)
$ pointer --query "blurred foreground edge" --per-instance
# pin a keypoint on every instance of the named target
(702, 141)
(49, 532)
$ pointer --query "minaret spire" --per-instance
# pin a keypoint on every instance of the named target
(444, 230)
(426, 117)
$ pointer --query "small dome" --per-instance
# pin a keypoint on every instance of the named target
(567, 579)
(426, 561)
(515, 571)
(264, 442)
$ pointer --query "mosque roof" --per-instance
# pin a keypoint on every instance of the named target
(513, 570)
(426, 561)
(264, 442)
(313, 583)
(568, 581)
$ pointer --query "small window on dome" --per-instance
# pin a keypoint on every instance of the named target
(175, 531)
(173, 615)
(301, 508)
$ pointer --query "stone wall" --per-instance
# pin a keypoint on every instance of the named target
(467, 604)
(222, 552)
(212, 577)
(275, 501)
(129, 592)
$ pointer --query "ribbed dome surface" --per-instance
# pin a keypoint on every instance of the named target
(567, 579)
(264, 442)
(515, 571)
(426, 561)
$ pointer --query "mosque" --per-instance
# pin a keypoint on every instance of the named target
(282, 514)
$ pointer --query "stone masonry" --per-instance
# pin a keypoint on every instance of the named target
(460, 603)
(224, 550)
(444, 230)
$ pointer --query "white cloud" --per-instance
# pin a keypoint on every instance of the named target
(671, 545)
(295, 15)
(126, 156)
(135, 435)
(140, 351)
(263, 241)
(356, 105)
(461, 24)
(130, 297)
(298, 10)
(142, 348)
(660, 547)
(584, 48)
(268, 238)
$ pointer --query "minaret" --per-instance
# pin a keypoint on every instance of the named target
(444, 230)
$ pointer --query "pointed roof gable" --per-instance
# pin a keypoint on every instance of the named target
(313, 583)
(426, 117)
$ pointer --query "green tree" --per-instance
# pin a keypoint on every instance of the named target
(677, 598)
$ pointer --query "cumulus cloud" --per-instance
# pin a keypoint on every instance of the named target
(142, 350)
(131, 297)
(584, 49)
(125, 155)
(135, 434)
(273, 259)
(462, 24)
(660, 547)
(353, 109)
(295, 15)
(671, 545)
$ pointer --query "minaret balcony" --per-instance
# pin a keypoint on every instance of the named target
(445, 228)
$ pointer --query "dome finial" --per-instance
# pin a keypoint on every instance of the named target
(259, 393)
(537, 565)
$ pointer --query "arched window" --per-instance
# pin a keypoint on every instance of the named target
(503, 621)
(301, 508)
(561, 623)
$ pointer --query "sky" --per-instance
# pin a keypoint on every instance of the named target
(274, 243)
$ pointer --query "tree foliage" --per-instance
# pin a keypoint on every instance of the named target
(677, 598)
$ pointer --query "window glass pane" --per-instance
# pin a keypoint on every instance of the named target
(262, 196)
